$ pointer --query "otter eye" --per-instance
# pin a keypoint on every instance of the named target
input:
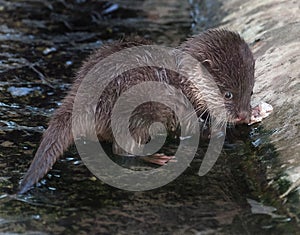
(251, 93)
(207, 63)
(228, 95)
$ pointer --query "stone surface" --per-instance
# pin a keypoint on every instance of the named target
(272, 27)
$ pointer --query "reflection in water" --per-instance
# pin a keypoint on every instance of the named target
(42, 44)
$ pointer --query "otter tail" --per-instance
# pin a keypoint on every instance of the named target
(56, 139)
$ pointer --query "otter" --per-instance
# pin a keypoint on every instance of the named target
(224, 54)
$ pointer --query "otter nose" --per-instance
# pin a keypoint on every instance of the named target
(243, 117)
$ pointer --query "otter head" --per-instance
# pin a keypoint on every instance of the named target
(228, 58)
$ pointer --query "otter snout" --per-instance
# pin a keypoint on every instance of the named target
(243, 117)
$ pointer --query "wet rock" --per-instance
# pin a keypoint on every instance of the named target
(22, 91)
(272, 27)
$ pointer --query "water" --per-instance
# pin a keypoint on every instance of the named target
(42, 45)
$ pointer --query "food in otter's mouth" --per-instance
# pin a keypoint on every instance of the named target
(224, 54)
(259, 112)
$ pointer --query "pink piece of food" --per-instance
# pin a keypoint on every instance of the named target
(260, 111)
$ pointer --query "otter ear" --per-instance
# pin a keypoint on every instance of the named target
(207, 63)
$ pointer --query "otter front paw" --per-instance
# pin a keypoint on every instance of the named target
(159, 159)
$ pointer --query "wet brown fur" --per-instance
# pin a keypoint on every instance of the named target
(224, 54)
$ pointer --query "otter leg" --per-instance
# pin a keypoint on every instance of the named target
(140, 133)
(117, 150)
(157, 158)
